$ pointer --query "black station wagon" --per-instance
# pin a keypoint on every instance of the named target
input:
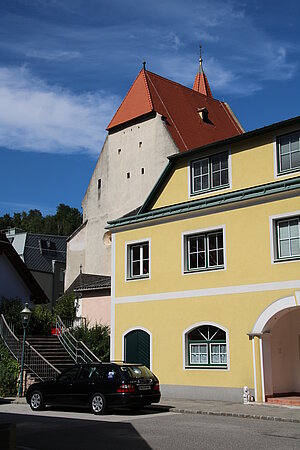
(97, 386)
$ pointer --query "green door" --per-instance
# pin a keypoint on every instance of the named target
(137, 347)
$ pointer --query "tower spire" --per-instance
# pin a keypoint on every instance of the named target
(201, 84)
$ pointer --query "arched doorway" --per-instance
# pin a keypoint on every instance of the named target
(278, 328)
(137, 347)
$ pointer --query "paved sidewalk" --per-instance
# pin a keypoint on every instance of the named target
(217, 408)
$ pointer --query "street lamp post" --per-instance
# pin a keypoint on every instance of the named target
(25, 318)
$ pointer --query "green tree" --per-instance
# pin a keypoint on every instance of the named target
(64, 222)
(67, 219)
(65, 306)
(95, 338)
(5, 222)
(33, 221)
(9, 371)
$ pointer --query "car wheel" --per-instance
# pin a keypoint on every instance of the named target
(36, 401)
(98, 403)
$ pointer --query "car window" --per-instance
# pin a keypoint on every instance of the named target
(137, 371)
(68, 375)
(109, 373)
(90, 373)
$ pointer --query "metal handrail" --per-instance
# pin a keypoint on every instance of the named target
(33, 360)
(78, 351)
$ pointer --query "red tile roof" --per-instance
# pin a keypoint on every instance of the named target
(180, 107)
(201, 84)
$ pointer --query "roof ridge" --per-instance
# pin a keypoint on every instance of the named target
(148, 90)
(183, 86)
(170, 116)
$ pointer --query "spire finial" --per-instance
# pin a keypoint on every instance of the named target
(200, 59)
(144, 65)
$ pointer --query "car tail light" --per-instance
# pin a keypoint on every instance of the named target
(156, 386)
(126, 388)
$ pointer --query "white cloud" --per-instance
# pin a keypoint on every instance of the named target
(59, 55)
(37, 117)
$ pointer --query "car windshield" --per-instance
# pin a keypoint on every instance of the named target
(137, 371)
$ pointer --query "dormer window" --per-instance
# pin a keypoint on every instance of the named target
(288, 153)
(47, 247)
(209, 173)
(203, 113)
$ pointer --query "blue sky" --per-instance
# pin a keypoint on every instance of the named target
(65, 66)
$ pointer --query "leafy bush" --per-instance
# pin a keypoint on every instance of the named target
(9, 371)
(95, 338)
(11, 309)
(41, 321)
(65, 306)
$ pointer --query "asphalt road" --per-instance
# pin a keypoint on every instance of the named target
(73, 430)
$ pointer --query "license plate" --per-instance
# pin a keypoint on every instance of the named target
(144, 388)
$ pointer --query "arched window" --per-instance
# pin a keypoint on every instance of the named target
(207, 347)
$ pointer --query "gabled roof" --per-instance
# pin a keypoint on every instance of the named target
(90, 282)
(179, 106)
(38, 295)
(41, 249)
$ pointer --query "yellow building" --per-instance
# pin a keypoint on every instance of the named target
(206, 276)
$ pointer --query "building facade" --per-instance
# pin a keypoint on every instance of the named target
(206, 276)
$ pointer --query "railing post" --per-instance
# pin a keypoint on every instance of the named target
(22, 365)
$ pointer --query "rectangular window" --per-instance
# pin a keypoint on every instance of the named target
(204, 251)
(288, 152)
(198, 354)
(218, 354)
(288, 238)
(210, 173)
(138, 260)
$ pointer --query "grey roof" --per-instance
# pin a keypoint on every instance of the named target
(88, 281)
(41, 249)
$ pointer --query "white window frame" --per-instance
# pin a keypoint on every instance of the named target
(278, 173)
(184, 251)
(185, 349)
(128, 246)
(226, 187)
(273, 221)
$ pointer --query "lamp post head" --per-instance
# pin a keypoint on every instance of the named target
(25, 315)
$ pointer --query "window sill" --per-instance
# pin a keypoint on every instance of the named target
(287, 172)
(145, 277)
(206, 269)
(206, 367)
(208, 191)
(291, 259)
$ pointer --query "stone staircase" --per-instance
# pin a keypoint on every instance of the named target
(52, 350)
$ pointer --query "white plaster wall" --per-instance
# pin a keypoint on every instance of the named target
(118, 194)
(285, 353)
(11, 284)
(96, 310)
(75, 256)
